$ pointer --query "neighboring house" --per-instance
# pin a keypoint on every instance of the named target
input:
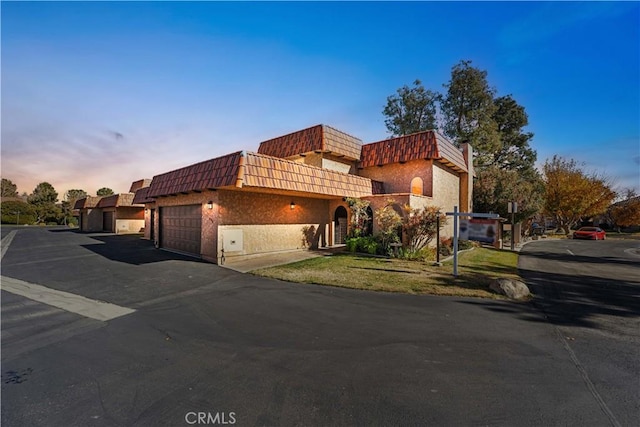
(89, 218)
(113, 214)
(291, 193)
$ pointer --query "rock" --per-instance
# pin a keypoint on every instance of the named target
(513, 289)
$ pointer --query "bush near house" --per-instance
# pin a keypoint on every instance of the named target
(364, 244)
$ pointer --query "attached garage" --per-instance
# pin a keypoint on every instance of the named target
(181, 228)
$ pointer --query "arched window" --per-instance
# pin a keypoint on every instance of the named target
(417, 186)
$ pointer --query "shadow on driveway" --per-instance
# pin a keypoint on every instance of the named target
(132, 249)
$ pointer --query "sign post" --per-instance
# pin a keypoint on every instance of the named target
(513, 209)
(455, 215)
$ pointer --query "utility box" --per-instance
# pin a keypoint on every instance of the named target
(232, 240)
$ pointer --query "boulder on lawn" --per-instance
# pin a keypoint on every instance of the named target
(513, 289)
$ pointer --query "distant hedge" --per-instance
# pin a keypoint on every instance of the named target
(17, 212)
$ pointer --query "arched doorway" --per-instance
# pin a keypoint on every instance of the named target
(340, 230)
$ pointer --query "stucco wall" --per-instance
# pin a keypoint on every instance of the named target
(129, 226)
(268, 223)
(258, 239)
(243, 207)
(446, 185)
(125, 212)
(91, 220)
(397, 177)
(148, 207)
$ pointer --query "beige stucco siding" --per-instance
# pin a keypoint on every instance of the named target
(91, 220)
(266, 222)
(446, 184)
(129, 226)
(243, 207)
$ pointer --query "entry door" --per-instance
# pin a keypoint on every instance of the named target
(180, 228)
(340, 221)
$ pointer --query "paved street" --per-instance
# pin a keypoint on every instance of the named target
(265, 352)
(591, 291)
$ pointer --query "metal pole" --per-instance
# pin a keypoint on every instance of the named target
(513, 227)
(455, 241)
(438, 238)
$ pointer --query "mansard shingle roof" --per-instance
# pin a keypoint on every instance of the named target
(319, 138)
(117, 200)
(87, 202)
(271, 172)
(422, 145)
(142, 196)
(210, 174)
(246, 169)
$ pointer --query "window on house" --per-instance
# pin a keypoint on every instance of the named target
(417, 186)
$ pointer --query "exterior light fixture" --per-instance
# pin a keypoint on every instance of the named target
(209, 204)
(292, 205)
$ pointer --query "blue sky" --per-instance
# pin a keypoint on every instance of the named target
(101, 93)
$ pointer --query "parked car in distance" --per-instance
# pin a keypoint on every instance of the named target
(592, 233)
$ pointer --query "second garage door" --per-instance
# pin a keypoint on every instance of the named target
(180, 228)
(107, 222)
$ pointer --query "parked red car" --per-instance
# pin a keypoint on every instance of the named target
(592, 233)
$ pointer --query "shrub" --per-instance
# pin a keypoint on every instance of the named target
(424, 254)
(17, 212)
(446, 246)
(420, 226)
(366, 244)
(389, 221)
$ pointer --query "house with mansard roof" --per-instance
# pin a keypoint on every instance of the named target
(291, 193)
(118, 213)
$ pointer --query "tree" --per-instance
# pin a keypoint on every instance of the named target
(420, 226)
(572, 194)
(105, 191)
(18, 212)
(626, 213)
(389, 221)
(514, 152)
(67, 205)
(494, 188)
(411, 110)
(9, 189)
(43, 199)
(359, 216)
(469, 110)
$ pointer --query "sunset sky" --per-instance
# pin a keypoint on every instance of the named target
(100, 94)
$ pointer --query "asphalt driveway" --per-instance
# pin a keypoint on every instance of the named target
(206, 339)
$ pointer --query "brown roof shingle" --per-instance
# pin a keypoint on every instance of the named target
(319, 138)
(136, 185)
(422, 145)
(87, 202)
(274, 173)
(117, 200)
(141, 196)
(214, 173)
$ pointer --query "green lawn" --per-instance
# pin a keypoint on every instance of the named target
(476, 269)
